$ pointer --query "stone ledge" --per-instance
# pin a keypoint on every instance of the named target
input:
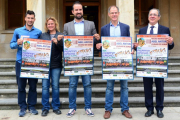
(94, 90)
(13, 101)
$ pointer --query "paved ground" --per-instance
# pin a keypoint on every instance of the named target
(171, 113)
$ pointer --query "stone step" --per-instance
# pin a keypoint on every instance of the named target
(96, 92)
(97, 74)
(97, 67)
(172, 59)
(11, 103)
(96, 83)
(7, 61)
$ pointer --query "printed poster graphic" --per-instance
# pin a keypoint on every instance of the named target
(36, 55)
(78, 55)
(152, 56)
(117, 61)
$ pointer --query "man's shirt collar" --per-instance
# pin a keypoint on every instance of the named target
(155, 26)
(113, 25)
(78, 22)
(27, 29)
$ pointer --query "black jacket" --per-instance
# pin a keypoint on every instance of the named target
(56, 50)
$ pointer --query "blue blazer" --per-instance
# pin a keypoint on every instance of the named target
(105, 30)
(161, 30)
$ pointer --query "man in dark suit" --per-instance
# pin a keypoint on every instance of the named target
(154, 28)
(115, 28)
(79, 26)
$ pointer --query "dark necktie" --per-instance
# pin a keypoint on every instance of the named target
(151, 31)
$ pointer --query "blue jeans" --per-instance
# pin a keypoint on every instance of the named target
(32, 95)
(86, 81)
(55, 76)
(110, 95)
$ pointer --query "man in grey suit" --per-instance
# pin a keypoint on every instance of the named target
(79, 26)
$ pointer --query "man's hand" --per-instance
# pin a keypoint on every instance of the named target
(55, 41)
(135, 45)
(132, 52)
(19, 41)
(169, 40)
(97, 36)
(98, 45)
(59, 37)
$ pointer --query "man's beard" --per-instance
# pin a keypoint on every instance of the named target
(78, 17)
(30, 25)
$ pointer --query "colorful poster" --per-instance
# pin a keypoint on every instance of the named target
(117, 60)
(36, 56)
(78, 55)
(152, 56)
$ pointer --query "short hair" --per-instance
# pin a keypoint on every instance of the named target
(30, 12)
(159, 14)
(55, 21)
(111, 7)
(77, 2)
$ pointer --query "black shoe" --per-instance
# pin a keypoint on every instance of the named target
(57, 112)
(160, 114)
(149, 113)
(44, 112)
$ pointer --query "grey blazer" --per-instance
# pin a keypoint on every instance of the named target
(89, 29)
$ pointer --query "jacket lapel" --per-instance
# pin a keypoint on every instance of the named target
(86, 25)
(159, 29)
(72, 27)
(108, 29)
(121, 29)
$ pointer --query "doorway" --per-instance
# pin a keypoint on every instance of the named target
(91, 12)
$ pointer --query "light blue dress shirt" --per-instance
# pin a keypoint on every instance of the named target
(115, 31)
(79, 27)
(34, 33)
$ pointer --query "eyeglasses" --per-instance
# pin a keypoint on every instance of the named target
(153, 15)
(114, 13)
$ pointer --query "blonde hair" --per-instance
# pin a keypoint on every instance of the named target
(55, 21)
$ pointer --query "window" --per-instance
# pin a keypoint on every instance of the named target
(141, 11)
(16, 10)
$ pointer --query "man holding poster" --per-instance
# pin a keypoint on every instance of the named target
(79, 26)
(115, 28)
(16, 42)
(155, 28)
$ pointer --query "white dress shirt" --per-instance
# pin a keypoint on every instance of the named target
(155, 29)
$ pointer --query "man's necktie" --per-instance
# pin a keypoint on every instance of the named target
(151, 31)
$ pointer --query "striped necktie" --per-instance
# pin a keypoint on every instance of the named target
(151, 31)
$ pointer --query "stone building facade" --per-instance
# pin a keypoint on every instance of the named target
(132, 12)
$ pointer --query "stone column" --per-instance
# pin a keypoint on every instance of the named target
(170, 17)
(38, 6)
(2, 14)
(126, 16)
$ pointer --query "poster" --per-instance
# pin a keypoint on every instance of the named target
(36, 56)
(152, 56)
(78, 55)
(117, 60)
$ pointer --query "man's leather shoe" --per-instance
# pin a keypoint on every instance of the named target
(149, 113)
(160, 114)
(107, 114)
(57, 112)
(44, 112)
(127, 114)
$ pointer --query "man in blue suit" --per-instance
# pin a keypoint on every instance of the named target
(154, 28)
(115, 28)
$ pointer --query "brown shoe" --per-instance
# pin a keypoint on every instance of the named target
(127, 114)
(107, 114)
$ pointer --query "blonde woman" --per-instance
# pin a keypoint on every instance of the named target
(52, 31)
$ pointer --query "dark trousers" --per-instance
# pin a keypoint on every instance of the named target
(148, 90)
(32, 95)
